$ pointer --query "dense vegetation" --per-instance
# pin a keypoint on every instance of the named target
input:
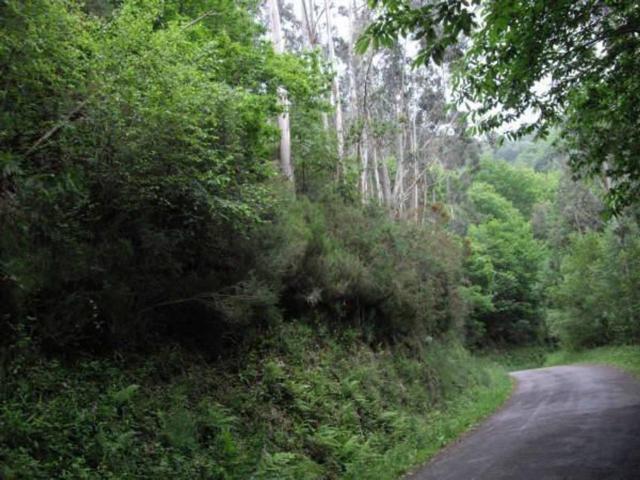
(302, 404)
(190, 290)
(587, 52)
(624, 357)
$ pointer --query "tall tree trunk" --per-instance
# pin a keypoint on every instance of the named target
(353, 90)
(283, 119)
(311, 24)
(364, 164)
(365, 139)
(401, 110)
(335, 91)
(398, 184)
(386, 182)
(376, 175)
(414, 155)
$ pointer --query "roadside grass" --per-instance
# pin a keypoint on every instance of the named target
(517, 358)
(304, 404)
(624, 357)
(441, 427)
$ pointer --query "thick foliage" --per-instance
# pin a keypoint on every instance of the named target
(520, 185)
(135, 152)
(391, 279)
(597, 298)
(302, 405)
(624, 357)
(589, 49)
(504, 267)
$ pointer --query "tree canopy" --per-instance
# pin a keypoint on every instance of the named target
(568, 63)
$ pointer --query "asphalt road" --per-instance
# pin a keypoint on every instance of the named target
(562, 423)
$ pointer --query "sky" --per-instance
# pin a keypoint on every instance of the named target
(341, 26)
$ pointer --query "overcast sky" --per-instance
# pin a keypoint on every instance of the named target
(342, 29)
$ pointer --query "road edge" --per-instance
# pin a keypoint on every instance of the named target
(472, 429)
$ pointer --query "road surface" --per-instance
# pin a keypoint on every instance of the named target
(562, 423)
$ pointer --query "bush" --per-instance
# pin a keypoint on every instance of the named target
(504, 266)
(395, 281)
(597, 300)
(135, 169)
(302, 404)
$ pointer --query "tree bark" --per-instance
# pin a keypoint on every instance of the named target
(335, 91)
(386, 183)
(376, 175)
(283, 119)
(364, 165)
(398, 185)
(311, 24)
(414, 155)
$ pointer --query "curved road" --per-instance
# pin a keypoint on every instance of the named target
(562, 423)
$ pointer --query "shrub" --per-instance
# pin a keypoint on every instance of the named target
(597, 299)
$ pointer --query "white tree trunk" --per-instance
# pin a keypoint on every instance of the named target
(353, 90)
(283, 119)
(364, 165)
(606, 179)
(376, 175)
(398, 185)
(414, 154)
(401, 171)
(386, 182)
(308, 11)
(310, 26)
(335, 89)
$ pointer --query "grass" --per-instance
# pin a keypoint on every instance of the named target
(624, 357)
(440, 427)
(518, 358)
(304, 404)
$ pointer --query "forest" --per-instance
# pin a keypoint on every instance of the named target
(303, 239)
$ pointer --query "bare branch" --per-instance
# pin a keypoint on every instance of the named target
(56, 127)
(210, 13)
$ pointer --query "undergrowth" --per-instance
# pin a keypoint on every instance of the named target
(303, 404)
(625, 357)
(518, 358)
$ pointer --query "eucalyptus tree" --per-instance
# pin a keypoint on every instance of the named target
(539, 63)
(283, 117)
(335, 88)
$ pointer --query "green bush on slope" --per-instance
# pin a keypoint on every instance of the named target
(625, 357)
(154, 212)
(147, 231)
(597, 298)
(518, 358)
(303, 404)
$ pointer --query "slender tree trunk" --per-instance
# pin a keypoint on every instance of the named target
(398, 184)
(386, 182)
(283, 119)
(353, 90)
(606, 179)
(308, 10)
(364, 165)
(414, 155)
(376, 175)
(310, 26)
(366, 139)
(355, 110)
(401, 110)
(335, 90)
